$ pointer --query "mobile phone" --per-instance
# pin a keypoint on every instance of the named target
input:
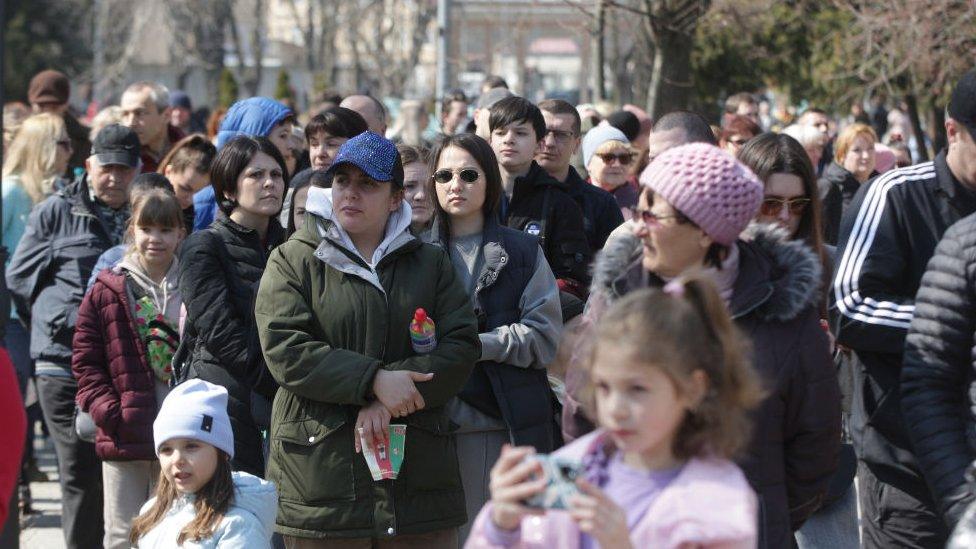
(561, 474)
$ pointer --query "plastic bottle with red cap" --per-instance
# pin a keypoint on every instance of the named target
(423, 337)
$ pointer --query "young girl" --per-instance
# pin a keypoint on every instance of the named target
(123, 344)
(672, 389)
(199, 502)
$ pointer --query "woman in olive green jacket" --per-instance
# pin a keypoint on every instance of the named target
(333, 314)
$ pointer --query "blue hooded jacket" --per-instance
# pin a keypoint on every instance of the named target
(254, 116)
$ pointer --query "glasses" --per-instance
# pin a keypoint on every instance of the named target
(652, 219)
(468, 175)
(561, 136)
(624, 158)
(773, 206)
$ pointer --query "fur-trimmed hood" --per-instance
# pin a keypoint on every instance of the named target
(778, 277)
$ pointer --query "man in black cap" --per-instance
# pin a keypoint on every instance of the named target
(49, 91)
(888, 235)
(47, 277)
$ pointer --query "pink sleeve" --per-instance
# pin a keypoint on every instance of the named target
(486, 535)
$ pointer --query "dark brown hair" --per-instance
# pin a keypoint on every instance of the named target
(212, 502)
(691, 330)
(193, 151)
(231, 161)
(771, 153)
(560, 107)
(337, 122)
(485, 157)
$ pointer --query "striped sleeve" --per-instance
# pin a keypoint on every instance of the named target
(874, 313)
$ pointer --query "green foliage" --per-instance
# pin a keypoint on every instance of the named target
(43, 34)
(227, 89)
(283, 91)
(793, 47)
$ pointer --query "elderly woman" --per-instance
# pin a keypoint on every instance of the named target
(608, 157)
(333, 314)
(853, 165)
(695, 203)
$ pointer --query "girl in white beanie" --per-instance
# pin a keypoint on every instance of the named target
(199, 502)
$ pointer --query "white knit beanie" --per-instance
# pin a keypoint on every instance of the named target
(599, 135)
(195, 409)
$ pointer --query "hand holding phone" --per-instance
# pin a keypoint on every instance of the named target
(514, 478)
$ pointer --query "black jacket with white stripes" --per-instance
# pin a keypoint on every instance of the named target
(887, 237)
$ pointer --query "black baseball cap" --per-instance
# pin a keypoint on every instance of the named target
(116, 144)
(962, 104)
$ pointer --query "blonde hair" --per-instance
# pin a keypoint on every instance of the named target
(33, 153)
(846, 139)
(612, 145)
(680, 330)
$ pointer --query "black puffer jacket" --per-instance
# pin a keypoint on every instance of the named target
(220, 268)
(938, 382)
(776, 302)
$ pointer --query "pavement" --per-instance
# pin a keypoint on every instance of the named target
(42, 530)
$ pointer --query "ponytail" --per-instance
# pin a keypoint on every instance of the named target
(683, 328)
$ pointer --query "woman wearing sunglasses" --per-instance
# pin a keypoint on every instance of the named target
(791, 201)
(608, 157)
(696, 200)
(790, 198)
(515, 297)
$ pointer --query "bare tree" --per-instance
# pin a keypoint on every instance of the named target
(249, 75)
(915, 49)
(664, 32)
(318, 25)
(387, 42)
(199, 28)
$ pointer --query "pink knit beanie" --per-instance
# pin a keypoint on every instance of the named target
(710, 187)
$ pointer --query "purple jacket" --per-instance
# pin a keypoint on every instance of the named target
(709, 504)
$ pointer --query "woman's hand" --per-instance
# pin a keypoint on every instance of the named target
(511, 484)
(396, 390)
(598, 516)
(372, 425)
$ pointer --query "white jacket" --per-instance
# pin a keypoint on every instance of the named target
(248, 523)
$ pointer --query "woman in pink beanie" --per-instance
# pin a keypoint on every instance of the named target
(696, 201)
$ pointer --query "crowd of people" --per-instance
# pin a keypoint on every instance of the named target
(559, 327)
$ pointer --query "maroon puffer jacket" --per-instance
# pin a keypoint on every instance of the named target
(115, 383)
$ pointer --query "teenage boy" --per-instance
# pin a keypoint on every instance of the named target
(534, 201)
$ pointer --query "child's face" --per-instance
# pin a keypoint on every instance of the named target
(515, 145)
(156, 245)
(188, 463)
(639, 405)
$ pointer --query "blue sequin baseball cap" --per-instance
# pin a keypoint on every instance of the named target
(375, 155)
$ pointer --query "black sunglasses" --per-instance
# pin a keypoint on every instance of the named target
(624, 158)
(468, 175)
